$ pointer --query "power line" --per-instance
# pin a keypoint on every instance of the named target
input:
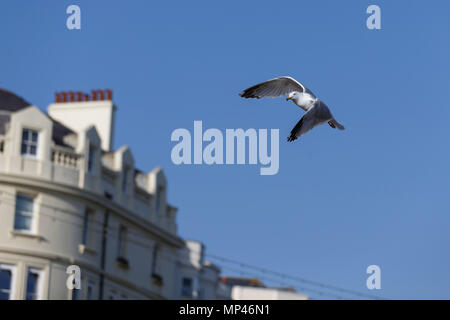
(300, 289)
(284, 275)
(115, 231)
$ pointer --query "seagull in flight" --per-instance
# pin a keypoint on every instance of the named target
(317, 112)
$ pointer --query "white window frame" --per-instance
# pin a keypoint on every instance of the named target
(33, 213)
(39, 284)
(30, 143)
(12, 285)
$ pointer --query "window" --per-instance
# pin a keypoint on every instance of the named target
(108, 195)
(76, 294)
(88, 216)
(123, 297)
(34, 280)
(24, 213)
(155, 259)
(159, 194)
(29, 144)
(91, 158)
(112, 295)
(90, 291)
(121, 242)
(6, 282)
(125, 180)
(186, 287)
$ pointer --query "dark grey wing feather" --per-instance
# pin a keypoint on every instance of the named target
(314, 117)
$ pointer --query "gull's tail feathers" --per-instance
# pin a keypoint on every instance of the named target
(333, 123)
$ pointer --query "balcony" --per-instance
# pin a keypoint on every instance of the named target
(66, 157)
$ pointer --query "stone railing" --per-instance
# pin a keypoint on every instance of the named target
(66, 157)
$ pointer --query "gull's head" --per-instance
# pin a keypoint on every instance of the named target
(293, 96)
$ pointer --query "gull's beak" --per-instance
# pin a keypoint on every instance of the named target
(288, 98)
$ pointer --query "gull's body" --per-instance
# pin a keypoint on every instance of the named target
(317, 112)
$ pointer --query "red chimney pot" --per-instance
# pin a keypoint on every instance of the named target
(108, 94)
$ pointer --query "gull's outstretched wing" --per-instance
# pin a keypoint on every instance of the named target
(274, 88)
(315, 116)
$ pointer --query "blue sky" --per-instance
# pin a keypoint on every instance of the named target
(376, 193)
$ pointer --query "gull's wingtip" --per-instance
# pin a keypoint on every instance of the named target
(291, 138)
(245, 94)
(248, 94)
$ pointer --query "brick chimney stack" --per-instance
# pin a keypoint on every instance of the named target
(77, 110)
(78, 96)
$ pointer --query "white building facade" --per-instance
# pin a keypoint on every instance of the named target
(67, 198)
(252, 293)
(197, 278)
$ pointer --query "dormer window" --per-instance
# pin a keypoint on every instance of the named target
(29, 146)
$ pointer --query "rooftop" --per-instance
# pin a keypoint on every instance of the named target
(245, 282)
(11, 102)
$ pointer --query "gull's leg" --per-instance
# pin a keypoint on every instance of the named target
(332, 124)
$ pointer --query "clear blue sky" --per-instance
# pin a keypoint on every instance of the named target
(377, 193)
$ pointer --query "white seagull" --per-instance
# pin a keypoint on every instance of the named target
(317, 112)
